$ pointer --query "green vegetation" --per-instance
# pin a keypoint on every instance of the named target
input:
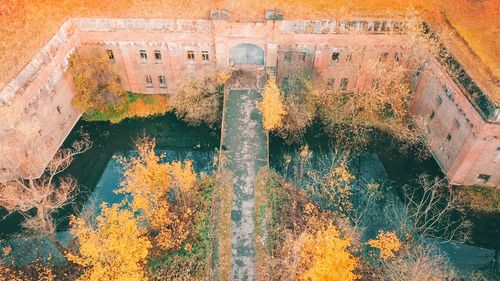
(480, 198)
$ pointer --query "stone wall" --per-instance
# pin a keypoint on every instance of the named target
(464, 144)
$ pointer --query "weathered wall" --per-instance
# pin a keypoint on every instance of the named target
(470, 150)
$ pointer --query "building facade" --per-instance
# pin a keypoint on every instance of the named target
(151, 54)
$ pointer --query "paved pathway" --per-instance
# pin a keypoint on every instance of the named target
(246, 151)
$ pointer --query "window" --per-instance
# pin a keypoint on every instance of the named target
(343, 83)
(288, 56)
(285, 84)
(157, 55)
(149, 81)
(432, 115)
(448, 92)
(348, 57)
(190, 55)
(336, 56)
(497, 157)
(204, 56)
(111, 56)
(397, 56)
(383, 56)
(330, 83)
(58, 109)
(456, 123)
(484, 178)
(163, 81)
(303, 56)
(144, 56)
(448, 137)
(440, 100)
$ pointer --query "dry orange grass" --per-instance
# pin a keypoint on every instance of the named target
(26, 25)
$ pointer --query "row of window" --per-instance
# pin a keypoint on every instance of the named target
(343, 83)
(383, 56)
(161, 80)
(157, 55)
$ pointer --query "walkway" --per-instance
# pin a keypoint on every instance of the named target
(246, 152)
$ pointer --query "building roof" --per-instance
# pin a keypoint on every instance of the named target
(25, 25)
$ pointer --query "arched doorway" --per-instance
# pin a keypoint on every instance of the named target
(246, 54)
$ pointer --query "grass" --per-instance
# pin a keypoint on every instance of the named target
(25, 25)
(479, 198)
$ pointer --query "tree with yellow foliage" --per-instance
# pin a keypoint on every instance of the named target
(271, 106)
(150, 182)
(115, 250)
(325, 256)
(387, 242)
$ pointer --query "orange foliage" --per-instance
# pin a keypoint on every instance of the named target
(271, 106)
(140, 108)
(116, 250)
(387, 242)
(325, 256)
(150, 183)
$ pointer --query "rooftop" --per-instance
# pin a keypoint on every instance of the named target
(25, 25)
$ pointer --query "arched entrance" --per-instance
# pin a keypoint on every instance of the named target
(246, 54)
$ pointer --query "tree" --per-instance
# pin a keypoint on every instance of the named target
(325, 256)
(387, 243)
(160, 191)
(36, 199)
(97, 84)
(271, 106)
(198, 98)
(115, 250)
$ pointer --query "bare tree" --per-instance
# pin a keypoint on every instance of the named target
(36, 199)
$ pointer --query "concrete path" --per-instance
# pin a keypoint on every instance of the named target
(246, 152)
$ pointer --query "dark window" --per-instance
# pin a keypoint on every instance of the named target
(149, 81)
(190, 55)
(456, 123)
(288, 56)
(163, 81)
(440, 100)
(484, 177)
(432, 115)
(58, 109)
(335, 56)
(343, 83)
(383, 56)
(330, 83)
(376, 25)
(448, 92)
(157, 55)
(303, 56)
(204, 55)
(111, 56)
(285, 85)
(144, 56)
(397, 56)
(448, 137)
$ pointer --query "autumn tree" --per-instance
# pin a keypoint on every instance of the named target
(387, 243)
(114, 250)
(271, 106)
(197, 98)
(37, 199)
(160, 191)
(324, 255)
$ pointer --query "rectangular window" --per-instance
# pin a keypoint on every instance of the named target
(343, 83)
(149, 81)
(383, 56)
(397, 56)
(111, 56)
(204, 56)
(484, 178)
(288, 56)
(330, 83)
(157, 55)
(448, 137)
(163, 81)
(336, 56)
(190, 55)
(440, 100)
(144, 56)
(456, 123)
(303, 56)
(348, 57)
(432, 115)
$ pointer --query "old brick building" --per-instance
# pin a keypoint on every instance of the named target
(463, 131)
